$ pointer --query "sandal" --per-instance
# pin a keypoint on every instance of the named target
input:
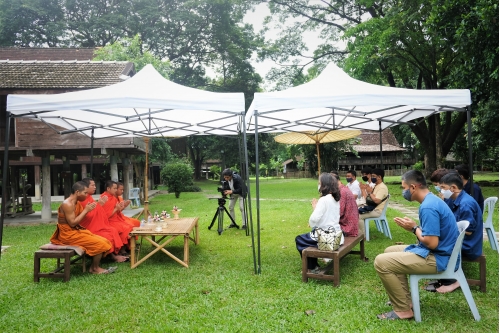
(432, 287)
(391, 315)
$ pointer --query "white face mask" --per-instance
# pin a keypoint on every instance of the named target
(319, 187)
(438, 189)
(446, 194)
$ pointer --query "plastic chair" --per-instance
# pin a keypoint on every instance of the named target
(449, 273)
(380, 222)
(133, 196)
(489, 206)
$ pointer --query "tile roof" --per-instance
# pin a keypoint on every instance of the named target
(46, 53)
(61, 74)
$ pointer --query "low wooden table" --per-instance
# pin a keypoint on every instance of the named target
(174, 229)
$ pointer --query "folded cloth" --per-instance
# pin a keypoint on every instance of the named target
(79, 250)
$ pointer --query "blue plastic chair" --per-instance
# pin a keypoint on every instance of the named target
(133, 196)
(381, 222)
(489, 206)
(449, 273)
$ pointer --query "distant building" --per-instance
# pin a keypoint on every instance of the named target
(369, 152)
(54, 71)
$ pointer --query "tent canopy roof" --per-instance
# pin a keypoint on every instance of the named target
(334, 100)
(145, 105)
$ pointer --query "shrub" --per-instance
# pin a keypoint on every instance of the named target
(192, 188)
(419, 166)
(178, 176)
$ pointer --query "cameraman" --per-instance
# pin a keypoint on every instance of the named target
(237, 192)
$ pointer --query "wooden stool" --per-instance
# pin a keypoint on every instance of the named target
(482, 273)
(64, 266)
(345, 249)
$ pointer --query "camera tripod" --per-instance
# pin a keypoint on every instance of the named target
(220, 215)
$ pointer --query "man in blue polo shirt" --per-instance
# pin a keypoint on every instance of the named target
(464, 207)
(436, 236)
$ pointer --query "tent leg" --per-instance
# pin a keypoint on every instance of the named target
(146, 167)
(92, 154)
(381, 156)
(249, 201)
(4, 175)
(469, 143)
(257, 189)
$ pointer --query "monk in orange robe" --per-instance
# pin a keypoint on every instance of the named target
(69, 231)
(111, 207)
(97, 222)
(119, 196)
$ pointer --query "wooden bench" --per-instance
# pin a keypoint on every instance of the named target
(63, 266)
(345, 249)
(482, 273)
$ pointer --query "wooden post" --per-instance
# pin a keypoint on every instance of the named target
(126, 177)
(54, 180)
(113, 166)
(146, 169)
(84, 170)
(38, 194)
(67, 177)
(46, 199)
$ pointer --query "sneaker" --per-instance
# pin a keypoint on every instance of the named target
(244, 226)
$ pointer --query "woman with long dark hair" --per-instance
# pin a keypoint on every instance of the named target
(326, 213)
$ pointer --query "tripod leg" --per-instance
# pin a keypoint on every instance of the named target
(213, 220)
(227, 212)
(221, 220)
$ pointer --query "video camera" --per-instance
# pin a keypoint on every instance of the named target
(224, 187)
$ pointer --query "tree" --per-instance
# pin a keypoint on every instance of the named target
(409, 44)
(178, 176)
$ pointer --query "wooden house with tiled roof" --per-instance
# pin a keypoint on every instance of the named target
(368, 150)
(54, 71)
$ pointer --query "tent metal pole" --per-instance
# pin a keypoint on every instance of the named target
(469, 143)
(92, 153)
(5, 171)
(380, 133)
(257, 189)
(249, 216)
(244, 176)
(146, 167)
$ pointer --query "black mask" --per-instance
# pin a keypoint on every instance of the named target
(365, 179)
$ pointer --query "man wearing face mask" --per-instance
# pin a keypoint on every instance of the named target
(464, 207)
(378, 194)
(436, 236)
(463, 171)
(436, 177)
(353, 184)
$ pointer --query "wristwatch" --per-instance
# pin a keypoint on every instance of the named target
(414, 229)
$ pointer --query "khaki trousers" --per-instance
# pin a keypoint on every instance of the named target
(362, 217)
(394, 265)
(232, 203)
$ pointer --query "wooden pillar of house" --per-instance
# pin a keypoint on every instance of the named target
(84, 171)
(38, 193)
(54, 179)
(97, 178)
(46, 198)
(113, 166)
(127, 167)
(67, 177)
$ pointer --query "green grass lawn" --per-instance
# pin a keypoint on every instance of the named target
(219, 292)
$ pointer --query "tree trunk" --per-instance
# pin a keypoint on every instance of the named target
(439, 142)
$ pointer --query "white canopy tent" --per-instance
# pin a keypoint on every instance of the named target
(334, 101)
(145, 105)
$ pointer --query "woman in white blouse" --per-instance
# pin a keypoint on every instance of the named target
(326, 213)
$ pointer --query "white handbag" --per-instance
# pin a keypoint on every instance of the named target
(329, 239)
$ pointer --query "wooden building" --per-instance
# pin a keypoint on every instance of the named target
(33, 143)
(394, 157)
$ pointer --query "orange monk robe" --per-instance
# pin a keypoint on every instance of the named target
(115, 220)
(133, 222)
(67, 235)
(96, 221)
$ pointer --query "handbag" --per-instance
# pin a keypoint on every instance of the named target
(329, 239)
